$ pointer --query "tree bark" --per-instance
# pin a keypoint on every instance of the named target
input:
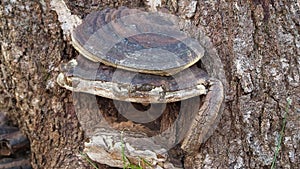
(258, 42)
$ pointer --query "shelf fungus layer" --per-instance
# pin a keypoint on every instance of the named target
(82, 75)
(137, 41)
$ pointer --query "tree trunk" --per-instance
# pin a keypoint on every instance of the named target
(258, 42)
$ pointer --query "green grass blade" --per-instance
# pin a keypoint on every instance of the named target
(289, 102)
(88, 159)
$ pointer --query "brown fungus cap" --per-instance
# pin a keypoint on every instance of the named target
(136, 41)
(83, 75)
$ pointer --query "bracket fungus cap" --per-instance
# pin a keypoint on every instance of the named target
(136, 41)
(83, 75)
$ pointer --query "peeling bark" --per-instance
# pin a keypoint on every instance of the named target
(257, 40)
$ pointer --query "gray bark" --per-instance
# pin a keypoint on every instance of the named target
(257, 40)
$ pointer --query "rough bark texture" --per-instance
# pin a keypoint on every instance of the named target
(257, 40)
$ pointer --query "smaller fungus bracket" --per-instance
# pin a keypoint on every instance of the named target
(85, 76)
